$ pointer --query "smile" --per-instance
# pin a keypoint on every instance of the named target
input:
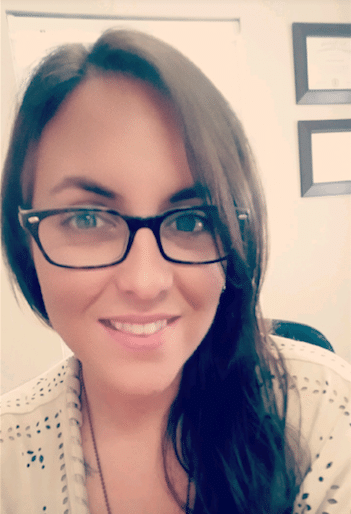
(138, 329)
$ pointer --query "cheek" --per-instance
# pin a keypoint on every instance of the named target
(66, 292)
(202, 286)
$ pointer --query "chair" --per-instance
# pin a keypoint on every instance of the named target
(299, 332)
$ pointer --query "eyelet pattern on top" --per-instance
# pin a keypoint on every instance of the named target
(41, 432)
(322, 380)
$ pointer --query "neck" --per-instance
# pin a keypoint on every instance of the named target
(128, 414)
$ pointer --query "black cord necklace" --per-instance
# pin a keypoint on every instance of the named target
(95, 448)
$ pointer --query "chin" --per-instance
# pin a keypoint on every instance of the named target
(150, 386)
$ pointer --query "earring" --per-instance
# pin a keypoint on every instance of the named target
(224, 288)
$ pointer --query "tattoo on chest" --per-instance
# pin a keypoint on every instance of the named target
(89, 471)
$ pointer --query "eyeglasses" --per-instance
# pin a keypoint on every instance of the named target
(89, 237)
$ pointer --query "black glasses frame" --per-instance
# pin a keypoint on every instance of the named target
(30, 220)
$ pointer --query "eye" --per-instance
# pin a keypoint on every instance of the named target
(193, 222)
(88, 221)
(189, 223)
(84, 220)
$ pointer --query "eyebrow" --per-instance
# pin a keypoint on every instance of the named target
(84, 184)
(195, 191)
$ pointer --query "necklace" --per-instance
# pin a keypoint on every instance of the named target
(95, 448)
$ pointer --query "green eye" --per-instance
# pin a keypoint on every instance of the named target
(189, 223)
(84, 220)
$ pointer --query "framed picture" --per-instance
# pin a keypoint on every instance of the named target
(322, 59)
(325, 157)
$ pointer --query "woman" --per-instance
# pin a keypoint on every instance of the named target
(133, 223)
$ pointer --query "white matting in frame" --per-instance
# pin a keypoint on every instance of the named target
(325, 157)
(331, 156)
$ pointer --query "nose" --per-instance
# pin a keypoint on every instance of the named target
(144, 273)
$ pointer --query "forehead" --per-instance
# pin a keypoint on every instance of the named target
(115, 93)
(111, 101)
(118, 130)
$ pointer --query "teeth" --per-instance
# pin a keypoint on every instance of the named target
(140, 330)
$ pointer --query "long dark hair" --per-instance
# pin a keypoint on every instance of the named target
(234, 444)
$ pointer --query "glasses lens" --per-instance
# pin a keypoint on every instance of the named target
(191, 236)
(84, 238)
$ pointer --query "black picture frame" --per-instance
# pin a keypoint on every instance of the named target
(305, 131)
(304, 95)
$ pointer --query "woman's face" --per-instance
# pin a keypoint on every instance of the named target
(115, 143)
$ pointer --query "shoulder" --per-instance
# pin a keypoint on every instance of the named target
(38, 391)
(40, 442)
(321, 411)
(34, 406)
(303, 357)
(323, 383)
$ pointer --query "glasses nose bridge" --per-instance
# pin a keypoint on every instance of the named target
(135, 224)
(154, 224)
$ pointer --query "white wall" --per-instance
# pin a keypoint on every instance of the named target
(309, 275)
